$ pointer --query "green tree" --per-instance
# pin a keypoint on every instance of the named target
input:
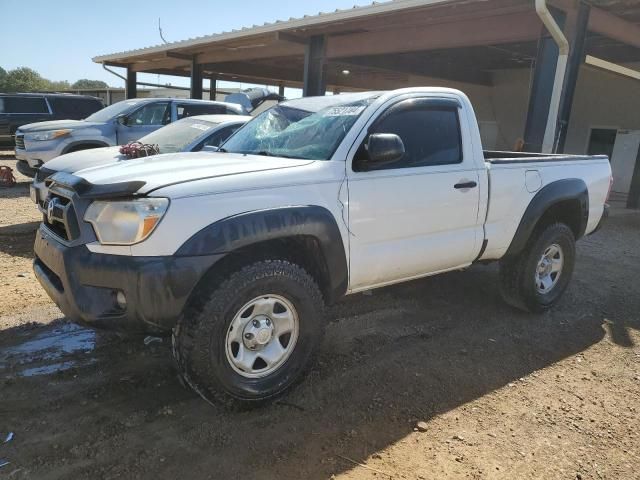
(58, 85)
(3, 75)
(86, 83)
(23, 79)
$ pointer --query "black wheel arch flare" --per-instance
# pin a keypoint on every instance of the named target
(571, 189)
(245, 229)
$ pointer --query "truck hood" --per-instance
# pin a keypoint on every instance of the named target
(56, 125)
(83, 159)
(174, 168)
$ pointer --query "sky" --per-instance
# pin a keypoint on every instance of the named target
(58, 39)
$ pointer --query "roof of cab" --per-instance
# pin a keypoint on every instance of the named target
(221, 118)
(46, 94)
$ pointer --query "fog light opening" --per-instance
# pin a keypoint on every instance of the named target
(121, 300)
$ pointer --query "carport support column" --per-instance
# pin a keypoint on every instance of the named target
(314, 74)
(576, 60)
(542, 89)
(213, 87)
(131, 86)
(633, 200)
(196, 80)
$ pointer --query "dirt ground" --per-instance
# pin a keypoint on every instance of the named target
(432, 379)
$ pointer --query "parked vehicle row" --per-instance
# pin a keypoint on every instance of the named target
(191, 134)
(237, 252)
(18, 109)
(120, 123)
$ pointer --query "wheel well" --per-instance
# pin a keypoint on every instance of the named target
(568, 212)
(83, 146)
(303, 250)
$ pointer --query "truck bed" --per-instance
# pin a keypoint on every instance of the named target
(504, 157)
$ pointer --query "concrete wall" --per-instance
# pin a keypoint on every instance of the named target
(603, 99)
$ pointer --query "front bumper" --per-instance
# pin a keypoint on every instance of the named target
(37, 153)
(23, 167)
(84, 285)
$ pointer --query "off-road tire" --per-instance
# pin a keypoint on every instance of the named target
(517, 273)
(200, 336)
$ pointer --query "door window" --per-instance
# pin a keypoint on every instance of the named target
(151, 114)
(221, 135)
(601, 141)
(25, 104)
(191, 109)
(74, 108)
(429, 129)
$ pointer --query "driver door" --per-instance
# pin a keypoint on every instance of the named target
(143, 121)
(412, 217)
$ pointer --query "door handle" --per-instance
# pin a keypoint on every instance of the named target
(465, 185)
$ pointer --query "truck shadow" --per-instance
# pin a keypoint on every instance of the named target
(17, 240)
(19, 190)
(402, 354)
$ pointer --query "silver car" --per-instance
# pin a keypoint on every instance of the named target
(192, 134)
(118, 124)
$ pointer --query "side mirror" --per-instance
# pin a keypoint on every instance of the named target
(122, 119)
(384, 148)
(210, 148)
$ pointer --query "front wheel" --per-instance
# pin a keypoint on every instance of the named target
(535, 279)
(251, 337)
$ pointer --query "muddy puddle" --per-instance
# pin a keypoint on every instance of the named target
(50, 351)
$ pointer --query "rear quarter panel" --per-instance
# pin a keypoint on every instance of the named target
(509, 196)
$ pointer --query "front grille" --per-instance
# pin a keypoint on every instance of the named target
(20, 142)
(60, 217)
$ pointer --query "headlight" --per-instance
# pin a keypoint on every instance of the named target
(125, 222)
(50, 135)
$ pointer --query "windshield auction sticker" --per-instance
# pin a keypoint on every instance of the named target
(345, 111)
(200, 126)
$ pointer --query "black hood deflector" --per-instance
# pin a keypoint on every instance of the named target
(86, 189)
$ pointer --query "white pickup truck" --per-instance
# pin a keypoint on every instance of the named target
(237, 252)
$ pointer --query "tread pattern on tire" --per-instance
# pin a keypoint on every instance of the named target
(513, 284)
(186, 332)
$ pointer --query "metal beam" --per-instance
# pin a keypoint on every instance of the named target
(281, 89)
(542, 89)
(160, 63)
(181, 56)
(508, 28)
(612, 67)
(213, 87)
(287, 37)
(196, 80)
(131, 85)
(314, 78)
(314, 73)
(576, 59)
(454, 71)
(633, 200)
(614, 27)
(252, 52)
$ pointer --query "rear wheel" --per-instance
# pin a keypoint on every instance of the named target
(535, 279)
(251, 337)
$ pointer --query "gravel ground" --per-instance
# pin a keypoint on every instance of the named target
(432, 379)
